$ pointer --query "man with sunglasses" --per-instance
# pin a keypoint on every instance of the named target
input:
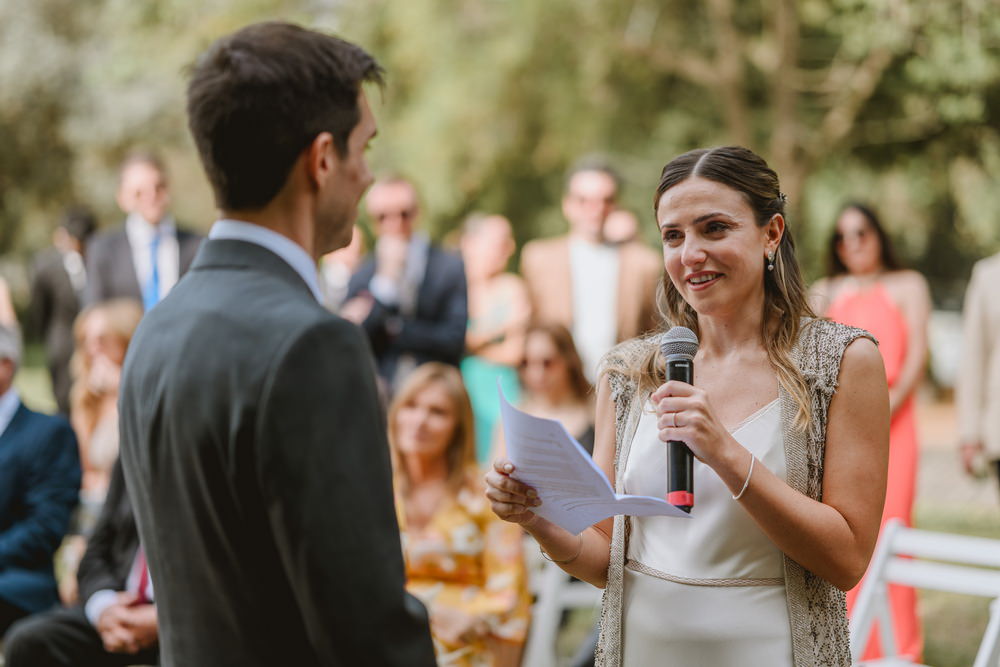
(409, 295)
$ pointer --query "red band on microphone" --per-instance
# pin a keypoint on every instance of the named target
(681, 498)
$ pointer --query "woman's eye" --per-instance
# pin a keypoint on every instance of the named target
(716, 227)
(671, 235)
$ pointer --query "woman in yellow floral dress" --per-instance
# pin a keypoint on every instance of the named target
(461, 560)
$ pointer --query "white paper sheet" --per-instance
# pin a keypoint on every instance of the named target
(574, 491)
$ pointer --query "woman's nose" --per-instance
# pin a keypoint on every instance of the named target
(693, 252)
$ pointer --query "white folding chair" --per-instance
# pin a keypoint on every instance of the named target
(957, 564)
(554, 592)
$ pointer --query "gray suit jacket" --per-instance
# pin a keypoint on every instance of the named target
(256, 458)
(111, 271)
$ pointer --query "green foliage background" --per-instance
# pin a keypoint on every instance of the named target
(489, 101)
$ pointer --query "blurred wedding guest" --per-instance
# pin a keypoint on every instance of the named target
(57, 285)
(977, 393)
(622, 226)
(553, 383)
(411, 294)
(602, 292)
(7, 315)
(115, 623)
(866, 287)
(39, 478)
(148, 254)
(102, 333)
(499, 311)
(336, 269)
(462, 561)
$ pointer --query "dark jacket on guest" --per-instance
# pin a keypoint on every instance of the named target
(112, 548)
(39, 485)
(435, 332)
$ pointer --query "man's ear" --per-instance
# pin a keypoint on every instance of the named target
(322, 160)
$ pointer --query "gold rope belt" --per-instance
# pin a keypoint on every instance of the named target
(641, 568)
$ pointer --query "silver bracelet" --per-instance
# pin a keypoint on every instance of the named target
(562, 562)
(747, 482)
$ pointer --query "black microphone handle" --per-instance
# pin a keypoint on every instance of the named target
(680, 460)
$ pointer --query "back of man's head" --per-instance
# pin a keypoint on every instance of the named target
(258, 98)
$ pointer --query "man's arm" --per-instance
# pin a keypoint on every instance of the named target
(970, 387)
(96, 289)
(324, 472)
(444, 336)
(98, 570)
(52, 480)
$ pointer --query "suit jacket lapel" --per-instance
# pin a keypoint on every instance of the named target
(15, 425)
(561, 284)
(628, 292)
(122, 255)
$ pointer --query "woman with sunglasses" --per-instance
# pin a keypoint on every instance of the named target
(553, 383)
(788, 419)
(866, 287)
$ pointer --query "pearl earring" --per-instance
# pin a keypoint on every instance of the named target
(770, 261)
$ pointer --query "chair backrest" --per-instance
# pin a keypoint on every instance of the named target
(554, 591)
(958, 564)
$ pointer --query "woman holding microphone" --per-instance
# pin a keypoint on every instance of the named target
(788, 417)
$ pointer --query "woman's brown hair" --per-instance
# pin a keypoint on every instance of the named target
(566, 348)
(460, 454)
(785, 296)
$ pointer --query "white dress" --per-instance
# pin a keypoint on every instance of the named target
(709, 590)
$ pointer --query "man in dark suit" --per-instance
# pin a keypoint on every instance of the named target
(145, 257)
(251, 436)
(39, 482)
(409, 295)
(57, 285)
(115, 624)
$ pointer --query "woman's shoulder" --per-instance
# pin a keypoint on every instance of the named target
(628, 353)
(821, 346)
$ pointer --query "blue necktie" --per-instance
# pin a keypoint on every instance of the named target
(151, 294)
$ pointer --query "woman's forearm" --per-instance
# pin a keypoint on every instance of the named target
(584, 556)
(813, 534)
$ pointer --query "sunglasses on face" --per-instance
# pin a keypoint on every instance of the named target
(545, 363)
(856, 235)
(405, 214)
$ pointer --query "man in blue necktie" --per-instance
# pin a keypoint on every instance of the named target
(144, 258)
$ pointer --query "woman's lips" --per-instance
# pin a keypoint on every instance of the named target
(697, 286)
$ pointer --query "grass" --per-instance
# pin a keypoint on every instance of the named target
(954, 624)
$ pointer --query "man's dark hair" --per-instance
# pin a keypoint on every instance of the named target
(78, 222)
(258, 98)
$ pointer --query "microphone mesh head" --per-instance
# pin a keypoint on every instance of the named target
(679, 341)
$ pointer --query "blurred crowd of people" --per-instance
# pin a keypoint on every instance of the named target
(447, 327)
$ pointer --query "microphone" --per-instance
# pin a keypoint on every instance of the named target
(678, 346)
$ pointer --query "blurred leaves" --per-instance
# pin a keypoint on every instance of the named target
(489, 101)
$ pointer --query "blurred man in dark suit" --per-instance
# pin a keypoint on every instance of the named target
(39, 481)
(252, 441)
(57, 284)
(115, 624)
(144, 258)
(409, 295)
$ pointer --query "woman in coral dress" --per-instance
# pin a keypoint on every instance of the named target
(866, 288)
(463, 562)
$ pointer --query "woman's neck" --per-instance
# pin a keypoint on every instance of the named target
(423, 470)
(721, 335)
